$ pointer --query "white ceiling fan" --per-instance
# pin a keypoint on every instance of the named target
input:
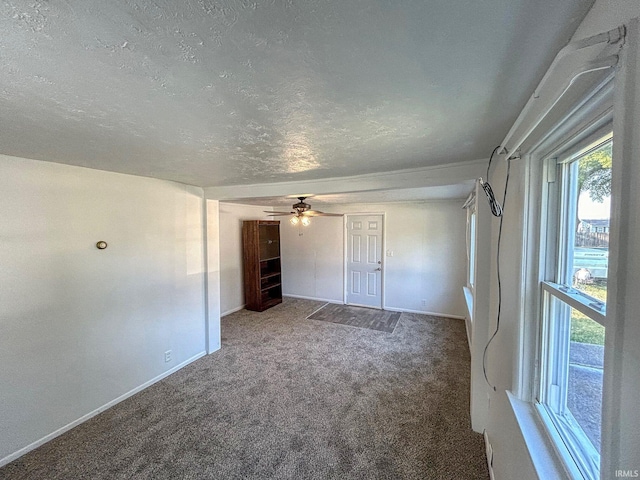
(302, 213)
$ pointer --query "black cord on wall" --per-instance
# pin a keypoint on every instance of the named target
(497, 210)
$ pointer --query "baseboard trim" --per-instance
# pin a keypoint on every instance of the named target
(32, 446)
(422, 312)
(233, 310)
(317, 299)
(489, 453)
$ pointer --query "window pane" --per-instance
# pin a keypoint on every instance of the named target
(584, 392)
(591, 246)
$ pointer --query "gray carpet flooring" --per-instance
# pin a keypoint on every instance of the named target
(288, 398)
(380, 320)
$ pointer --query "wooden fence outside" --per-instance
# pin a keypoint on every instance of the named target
(592, 239)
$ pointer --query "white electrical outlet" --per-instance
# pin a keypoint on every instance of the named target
(167, 356)
(424, 303)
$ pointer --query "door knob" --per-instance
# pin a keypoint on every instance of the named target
(378, 269)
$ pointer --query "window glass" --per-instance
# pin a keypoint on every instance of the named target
(584, 389)
(590, 263)
(590, 260)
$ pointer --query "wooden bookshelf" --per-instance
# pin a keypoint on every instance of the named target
(262, 268)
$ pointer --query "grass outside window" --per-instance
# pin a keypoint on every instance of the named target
(583, 329)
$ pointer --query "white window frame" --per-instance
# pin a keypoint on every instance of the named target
(558, 208)
(558, 297)
(472, 240)
(469, 289)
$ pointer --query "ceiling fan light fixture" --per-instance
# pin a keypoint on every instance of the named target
(302, 213)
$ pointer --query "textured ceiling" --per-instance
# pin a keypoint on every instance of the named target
(227, 92)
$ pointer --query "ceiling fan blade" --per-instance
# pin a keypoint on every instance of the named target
(275, 214)
(316, 213)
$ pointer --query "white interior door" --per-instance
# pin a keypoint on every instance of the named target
(364, 260)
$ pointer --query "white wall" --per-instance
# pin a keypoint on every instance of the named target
(428, 263)
(479, 398)
(231, 273)
(312, 263)
(212, 249)
(511, 457)
(606, 15)
(80, 327)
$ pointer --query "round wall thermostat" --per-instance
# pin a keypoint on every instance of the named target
(101, 245)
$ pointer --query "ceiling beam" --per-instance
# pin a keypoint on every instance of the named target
(437, 176)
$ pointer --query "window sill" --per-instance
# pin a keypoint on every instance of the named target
(468, 296)
(544, 457)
